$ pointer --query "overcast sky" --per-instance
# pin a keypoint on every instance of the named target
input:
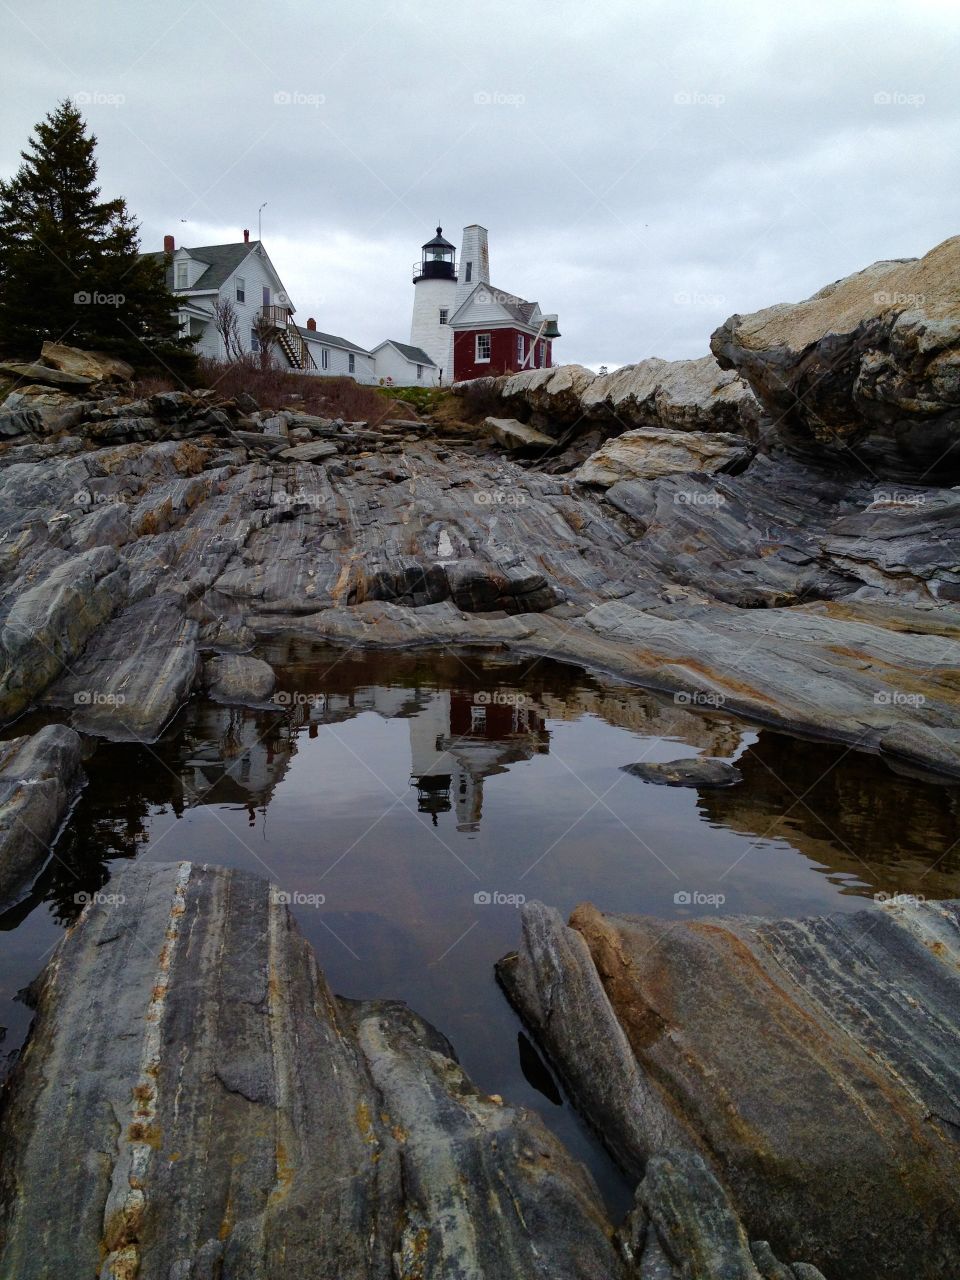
(644, 169)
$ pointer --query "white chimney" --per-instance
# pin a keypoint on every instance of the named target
(474, 265)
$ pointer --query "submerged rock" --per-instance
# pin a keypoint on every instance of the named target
(810, 1063)
(696, 772)
(238, 677)
(233, 1117)
(40, 776)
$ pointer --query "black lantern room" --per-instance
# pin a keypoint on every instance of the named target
(437, 261)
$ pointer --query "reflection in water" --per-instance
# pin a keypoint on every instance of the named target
(407, 790)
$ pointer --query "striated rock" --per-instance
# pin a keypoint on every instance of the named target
(235, 1119)
(517, 435)
(867, 370)
(649, 454)
(36, 372)
(314, 452)
(136, 672)
(40, 776)
(696, 772)
(238, 677)
(48, 625)
(811, 1064)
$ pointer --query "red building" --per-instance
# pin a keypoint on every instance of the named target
(496, 332)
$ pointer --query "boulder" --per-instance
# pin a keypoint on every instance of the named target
(93, 365)
(556, 393)
(36, 372)
(40, 776)
(238, 677)
(810, 1064)
(517, 435)
(649, 453)
(195, 1101)
(867, 370)
(696, 772)
(677, 395)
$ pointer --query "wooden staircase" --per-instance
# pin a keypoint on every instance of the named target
(289, 339)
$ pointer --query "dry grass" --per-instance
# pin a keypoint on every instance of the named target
(274, 388)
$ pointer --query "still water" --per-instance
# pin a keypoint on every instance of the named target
(407, 803)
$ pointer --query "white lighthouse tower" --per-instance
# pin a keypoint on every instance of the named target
(435, 285)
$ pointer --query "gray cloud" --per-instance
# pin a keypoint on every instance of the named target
(644, 169)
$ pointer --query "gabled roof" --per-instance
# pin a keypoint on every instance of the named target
(331, 340)
(222, 261)
(517, 308)
(416, 355)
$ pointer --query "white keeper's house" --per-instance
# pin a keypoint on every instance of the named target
(243, 275)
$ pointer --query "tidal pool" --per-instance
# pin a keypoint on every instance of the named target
(407, 803)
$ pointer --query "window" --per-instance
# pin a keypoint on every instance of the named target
(182, 275)
(254, 341)
(419, 372)
(444, 312)
(483, 348)
(241, 289)
(351, 364)
(469, 275)
(324, 357)
(520, 351)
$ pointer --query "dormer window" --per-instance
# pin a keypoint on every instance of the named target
(181, 275)
(241, 289)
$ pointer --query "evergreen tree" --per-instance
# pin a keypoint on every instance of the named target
(70, 264)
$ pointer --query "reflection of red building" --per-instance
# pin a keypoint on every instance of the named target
(462, 738)
(495, 717)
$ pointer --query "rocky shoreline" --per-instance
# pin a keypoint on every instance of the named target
(771, 530)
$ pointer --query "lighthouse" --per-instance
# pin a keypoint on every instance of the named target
(435, 297)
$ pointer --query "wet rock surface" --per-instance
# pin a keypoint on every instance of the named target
(40, 776)
(233, 1117)
(811, 1064)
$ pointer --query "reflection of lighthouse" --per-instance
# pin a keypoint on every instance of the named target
(458, 739)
